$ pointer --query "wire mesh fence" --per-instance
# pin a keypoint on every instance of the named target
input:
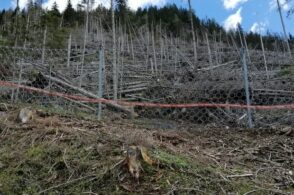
(163, 83)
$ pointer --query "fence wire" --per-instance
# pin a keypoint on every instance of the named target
(165, 77)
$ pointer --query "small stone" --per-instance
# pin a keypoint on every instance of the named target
(286, 129)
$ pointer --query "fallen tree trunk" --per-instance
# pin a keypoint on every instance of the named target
(115, 106)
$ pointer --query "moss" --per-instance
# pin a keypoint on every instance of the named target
(175, 161)
(8, 183)
(36, 152)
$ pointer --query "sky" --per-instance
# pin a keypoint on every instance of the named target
(253, 15)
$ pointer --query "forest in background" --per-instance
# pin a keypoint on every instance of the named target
(25, 28)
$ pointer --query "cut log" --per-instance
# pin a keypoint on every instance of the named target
(115, 106)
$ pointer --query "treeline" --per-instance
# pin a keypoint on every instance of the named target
(27, 27)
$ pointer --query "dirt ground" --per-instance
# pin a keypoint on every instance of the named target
(66, 153)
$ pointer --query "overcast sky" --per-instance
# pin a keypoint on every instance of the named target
(254, 15)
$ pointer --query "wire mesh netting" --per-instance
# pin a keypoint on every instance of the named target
(157, 82)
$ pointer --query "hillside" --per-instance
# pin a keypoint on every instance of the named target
(152, 101)
(58, 153)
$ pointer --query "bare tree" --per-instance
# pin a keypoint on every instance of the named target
(115, 81)
(193, 33)
(85, 41)
(284, 28)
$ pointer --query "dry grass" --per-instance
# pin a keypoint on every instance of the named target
(60, 154)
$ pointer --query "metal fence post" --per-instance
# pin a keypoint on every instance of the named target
(101, 70)
(68, 51)
(19, 79)
(44, 46)
(246, 85)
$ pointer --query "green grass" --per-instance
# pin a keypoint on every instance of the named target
(289, 71)
(175, 161)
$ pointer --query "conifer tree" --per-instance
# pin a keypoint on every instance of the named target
(69, 14)
(54, 10)
(121, 9)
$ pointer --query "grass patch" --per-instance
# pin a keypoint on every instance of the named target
(289, 71)
(174, 161)
(36, 152)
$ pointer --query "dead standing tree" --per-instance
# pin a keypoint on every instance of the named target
(284, 28)
(85, 42)
(193, 33)
(115, 81)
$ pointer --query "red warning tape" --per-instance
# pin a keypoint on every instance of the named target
(145, 104)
